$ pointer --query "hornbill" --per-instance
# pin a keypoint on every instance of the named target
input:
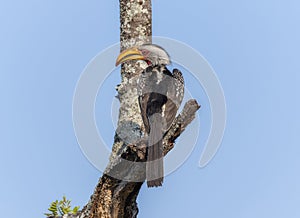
(160, 94)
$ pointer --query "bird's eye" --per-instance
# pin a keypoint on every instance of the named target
(145, 53)
(148, 62)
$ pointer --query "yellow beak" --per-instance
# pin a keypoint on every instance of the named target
(129, 54)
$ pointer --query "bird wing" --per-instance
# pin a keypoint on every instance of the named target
(151, 93)
(175, 93)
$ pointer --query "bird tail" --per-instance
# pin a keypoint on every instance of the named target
(154, 165)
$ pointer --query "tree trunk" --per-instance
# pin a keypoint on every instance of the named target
(115, 194)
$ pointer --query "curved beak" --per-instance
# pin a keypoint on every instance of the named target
(129, 54)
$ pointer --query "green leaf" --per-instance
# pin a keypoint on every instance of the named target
(75, 209)
(66, 210)
(61, 207)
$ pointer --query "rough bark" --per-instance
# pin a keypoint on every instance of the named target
(114, 197)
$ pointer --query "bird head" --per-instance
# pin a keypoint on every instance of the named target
(152, 54)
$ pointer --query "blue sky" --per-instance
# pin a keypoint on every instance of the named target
(253, 47)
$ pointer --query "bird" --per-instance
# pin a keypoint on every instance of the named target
(160, 94)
